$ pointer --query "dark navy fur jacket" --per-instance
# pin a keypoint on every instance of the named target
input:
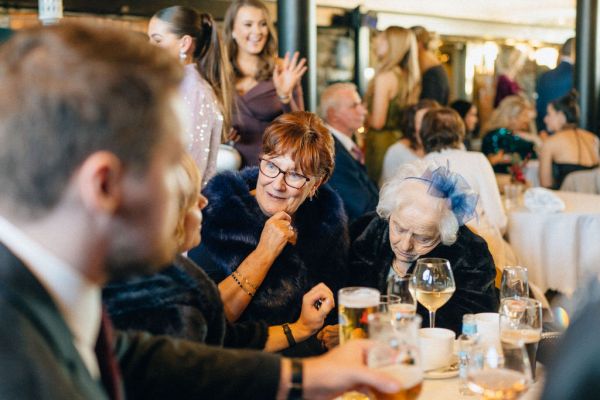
(231, 230)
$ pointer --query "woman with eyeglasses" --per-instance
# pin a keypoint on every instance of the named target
(422, 213)
(272, 232)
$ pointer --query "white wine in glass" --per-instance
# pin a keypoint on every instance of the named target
(434, 284)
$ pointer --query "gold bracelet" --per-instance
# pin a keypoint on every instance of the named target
(246, 281)
(249, 293)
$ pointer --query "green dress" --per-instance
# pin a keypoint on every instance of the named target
(378, 140)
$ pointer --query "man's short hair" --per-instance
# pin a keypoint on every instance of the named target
(567, 48)
(71, 90)
(329, 98)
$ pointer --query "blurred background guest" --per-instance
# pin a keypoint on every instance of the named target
(265, 87)
(272, 233)
(506, 83)
(442, 132)
(507, 134)
(343, 113)
(182, 301)
(396, 84)
(415, 219)
(570, 148)
(193, 38)
(556, 83)
(409, 147)
(468, 113)
(434, 79)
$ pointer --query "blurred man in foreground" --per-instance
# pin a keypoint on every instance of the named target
(89, 126)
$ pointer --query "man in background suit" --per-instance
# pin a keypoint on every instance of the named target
(555, 83)
(344, 114)
(89, 168)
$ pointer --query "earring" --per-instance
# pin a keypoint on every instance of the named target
(182, 55)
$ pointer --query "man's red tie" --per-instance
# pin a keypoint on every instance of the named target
(107, 361)
(357, 154)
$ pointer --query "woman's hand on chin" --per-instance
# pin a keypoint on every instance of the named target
(277, 232)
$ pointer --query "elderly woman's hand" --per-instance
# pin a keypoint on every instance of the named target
(277, 232)
(316, 305)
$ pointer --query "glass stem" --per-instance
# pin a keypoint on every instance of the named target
(432, 319)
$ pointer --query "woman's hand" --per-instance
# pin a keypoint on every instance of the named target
(312, 317)
(287, 75)
(277, 232)
(329, 336)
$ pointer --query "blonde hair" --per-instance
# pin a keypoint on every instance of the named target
(191, 182)
(507, 112)
(403, 54)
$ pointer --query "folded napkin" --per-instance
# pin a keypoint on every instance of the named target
(542, 200)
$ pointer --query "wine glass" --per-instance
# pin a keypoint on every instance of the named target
(396, 352)
(521, 322)
(434, 284)
(402, 286)
(514, 282)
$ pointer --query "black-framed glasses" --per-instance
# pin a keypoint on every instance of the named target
(291, 178)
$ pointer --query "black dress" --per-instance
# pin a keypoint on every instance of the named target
(472, 265)
(435, 86)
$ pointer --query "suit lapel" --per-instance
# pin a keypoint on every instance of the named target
(20, 288)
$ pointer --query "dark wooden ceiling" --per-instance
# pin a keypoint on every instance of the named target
(126, 7)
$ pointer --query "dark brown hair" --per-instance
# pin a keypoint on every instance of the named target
(441, 129)
(72, 93)
(303, 135)
(569, 107)
(268, 55)
(209, 55)
(408, 120)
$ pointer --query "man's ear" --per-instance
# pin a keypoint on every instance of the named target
(100, 182)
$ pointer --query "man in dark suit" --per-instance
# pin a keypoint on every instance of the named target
(344, 114)
(555, 83)
(89, 168)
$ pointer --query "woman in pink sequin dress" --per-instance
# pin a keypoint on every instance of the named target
(206, 88)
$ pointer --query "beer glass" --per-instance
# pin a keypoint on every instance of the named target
(396, 352)
(355, 304)
(521, 323)
(499, 374)
(514, 282)
(402, 286)
(434, 284)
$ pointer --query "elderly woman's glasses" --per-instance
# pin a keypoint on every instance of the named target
(291, 178)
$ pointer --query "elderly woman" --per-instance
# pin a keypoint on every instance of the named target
(182, 301)
(273, 232)
(421, 213)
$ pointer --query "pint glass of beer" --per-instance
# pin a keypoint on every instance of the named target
(355, 304)
(396, 353)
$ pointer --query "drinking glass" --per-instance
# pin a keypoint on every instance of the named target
(355, 305)
(514, 282)
(388, 303)
(402, 286)
(521, 323)
(434, 284)
(396, 352)
(499, 374)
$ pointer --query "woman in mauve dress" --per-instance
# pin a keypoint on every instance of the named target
(206, 88)
(264, 86)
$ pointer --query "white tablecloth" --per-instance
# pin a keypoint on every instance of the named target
(560, 249)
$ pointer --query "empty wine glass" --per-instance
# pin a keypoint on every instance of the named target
(499, 374)
(434, 284)
(402, 286)
(521, 322)
(514, 282)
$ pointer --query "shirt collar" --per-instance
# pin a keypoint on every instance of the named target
(346, 141)
(78, 300)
